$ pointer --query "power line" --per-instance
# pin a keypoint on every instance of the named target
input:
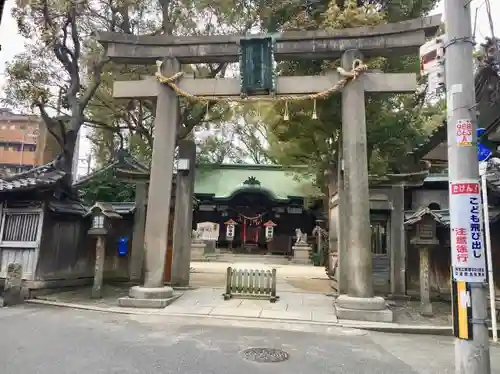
(475, 19)
(490, 18)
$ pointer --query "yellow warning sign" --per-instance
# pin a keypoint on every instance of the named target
(462, 310)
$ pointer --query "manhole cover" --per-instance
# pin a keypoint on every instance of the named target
(265, 355)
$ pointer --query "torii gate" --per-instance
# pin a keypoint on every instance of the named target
(391, 39)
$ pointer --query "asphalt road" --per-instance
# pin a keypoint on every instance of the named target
(49, 340)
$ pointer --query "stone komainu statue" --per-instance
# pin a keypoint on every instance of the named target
(195, 236)
(301, 237)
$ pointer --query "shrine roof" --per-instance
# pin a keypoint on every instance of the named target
(492, 176)
(41, 177)
(280, 183)
(441, 216)
(123, 166)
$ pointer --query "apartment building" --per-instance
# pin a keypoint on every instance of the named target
(18, 142)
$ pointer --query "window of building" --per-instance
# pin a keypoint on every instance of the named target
(18, 147)
(20, 225)
(379, 236)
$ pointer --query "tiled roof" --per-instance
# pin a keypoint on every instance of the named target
(123, 208)
(124, 165)
(68, 207)
(107, 209)
(440, 216)
(492, 176)
(78, 208)
(42, 176)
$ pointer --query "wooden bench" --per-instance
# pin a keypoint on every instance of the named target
(253, 283)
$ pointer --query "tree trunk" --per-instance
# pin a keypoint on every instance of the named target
(65, 159)
(69, 150)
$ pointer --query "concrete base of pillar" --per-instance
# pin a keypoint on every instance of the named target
(210, 257)
(398, 297)
(301, 254)
(143, 297)
(372, 309)
(197, 251)
(128, 302)
(426, 309)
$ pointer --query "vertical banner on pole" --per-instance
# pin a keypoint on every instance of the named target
(468, 257)
(467, 250)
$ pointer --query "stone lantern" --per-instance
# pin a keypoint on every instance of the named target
(102, 215)
(425, 238)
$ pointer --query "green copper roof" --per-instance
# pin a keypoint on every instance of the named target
(223, 181)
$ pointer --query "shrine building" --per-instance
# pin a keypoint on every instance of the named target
(249, 198)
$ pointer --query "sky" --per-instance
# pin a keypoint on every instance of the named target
(12, 43)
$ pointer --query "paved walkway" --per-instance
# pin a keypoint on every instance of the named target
(304, 291)
(300, 278)
(291, 306)
(283, 271)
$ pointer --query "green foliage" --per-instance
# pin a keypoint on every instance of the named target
(395, 123)
(60, 69)
(132, 121)
(242, 139)
(105, 187)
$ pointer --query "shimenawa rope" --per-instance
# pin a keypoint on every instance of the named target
(358, 68)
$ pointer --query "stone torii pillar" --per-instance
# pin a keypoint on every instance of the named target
(137, 255)
(154, 293)
(360, 302)
(183, 218)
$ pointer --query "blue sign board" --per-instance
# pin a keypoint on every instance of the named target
(122, 247)
(483, 152)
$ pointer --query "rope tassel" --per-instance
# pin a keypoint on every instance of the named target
(207, 114)
(286, 116)
(159, 63)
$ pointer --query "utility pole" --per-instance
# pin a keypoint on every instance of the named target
(467, 242)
